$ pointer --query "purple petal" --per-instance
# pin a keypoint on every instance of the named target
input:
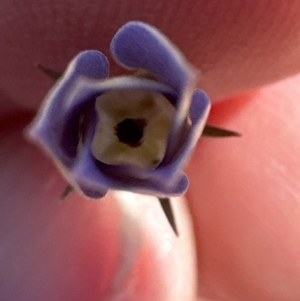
(92, 181)
(163, 188)
(89, 63)
(51, 122)
(139, 45)
(85, 172)
(198, 113)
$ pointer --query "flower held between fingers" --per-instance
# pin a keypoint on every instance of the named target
(128, 132)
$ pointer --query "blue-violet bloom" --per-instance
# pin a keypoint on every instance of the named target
(132, 132)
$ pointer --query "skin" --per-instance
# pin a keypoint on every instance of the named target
(244, 192)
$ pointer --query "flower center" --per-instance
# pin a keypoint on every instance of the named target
(132, 128)
(131, 131)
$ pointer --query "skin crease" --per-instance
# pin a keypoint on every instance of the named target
(244, 193)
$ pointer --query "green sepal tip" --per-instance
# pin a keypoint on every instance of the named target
(50, 72)
(217, 132)
(167, 208)
(66, 192)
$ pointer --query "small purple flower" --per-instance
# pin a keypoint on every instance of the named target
(129, 132)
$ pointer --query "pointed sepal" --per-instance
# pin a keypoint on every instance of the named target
(217, 132)
(66, 192)
(50, 72)
(167, 208)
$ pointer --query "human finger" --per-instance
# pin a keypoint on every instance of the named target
(244, 197)
(237, 45)
(121, 246)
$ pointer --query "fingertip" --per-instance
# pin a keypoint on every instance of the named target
(244, 197)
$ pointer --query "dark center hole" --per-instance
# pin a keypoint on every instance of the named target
(131, 131)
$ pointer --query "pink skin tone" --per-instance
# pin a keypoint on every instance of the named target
(244, 193)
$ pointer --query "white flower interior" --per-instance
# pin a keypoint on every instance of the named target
(133, 128)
